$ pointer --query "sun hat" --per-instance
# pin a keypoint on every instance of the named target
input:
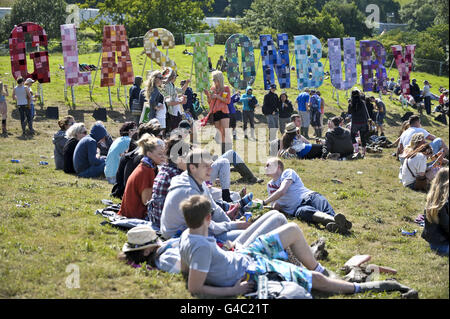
(291, 128)
(141, 237)
(154, 122)
(29, 80)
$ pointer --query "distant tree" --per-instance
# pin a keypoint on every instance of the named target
(50, 14)
(323, 26)
(139, 16)
(237, 7)
(224, 29)
(419, 14)
(441, 9)
(350, 16)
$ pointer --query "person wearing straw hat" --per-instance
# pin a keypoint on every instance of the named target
(294, 145)
(142, 243)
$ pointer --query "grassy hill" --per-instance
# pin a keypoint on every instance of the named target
(59, 229)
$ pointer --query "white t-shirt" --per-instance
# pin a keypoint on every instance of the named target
(426, 90)
(417, 164)
(292, 199)
(406, 136)
(161, 115)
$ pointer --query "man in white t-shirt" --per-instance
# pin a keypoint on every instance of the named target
(415, 127)
(289, 195)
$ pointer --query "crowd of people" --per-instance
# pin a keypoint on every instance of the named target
(184, 192)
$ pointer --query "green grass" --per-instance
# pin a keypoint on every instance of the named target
(39, 242)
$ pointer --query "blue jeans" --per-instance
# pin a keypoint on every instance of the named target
(440, 249)
(93, 171)
(311, 204)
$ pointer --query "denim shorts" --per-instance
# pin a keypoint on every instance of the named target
(380, 118)
(268, 255)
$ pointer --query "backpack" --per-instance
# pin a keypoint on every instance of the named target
(196, 106)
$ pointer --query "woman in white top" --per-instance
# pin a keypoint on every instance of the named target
(21, 94)
(174, 98)
(415, 164)
(156, 99)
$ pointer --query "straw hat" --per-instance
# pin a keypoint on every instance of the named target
(291, 128)
(141, 237)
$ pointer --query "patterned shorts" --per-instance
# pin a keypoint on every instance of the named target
(269, 255)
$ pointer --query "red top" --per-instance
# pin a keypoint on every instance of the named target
(217, 104)
(141, 178)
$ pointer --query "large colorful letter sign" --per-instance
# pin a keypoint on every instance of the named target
(200, 42)
(404, 64)
(70, 54)
(368, 64)
(272, 58)
(247, 58)
(308, 64)
(334, 56)
(115, 40)
(150, 45)
(18, 52)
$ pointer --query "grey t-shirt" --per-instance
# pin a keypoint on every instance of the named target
(223, 268)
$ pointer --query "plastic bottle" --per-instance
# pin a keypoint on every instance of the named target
(15, 161)
(247, 216)
(43, 163)
(413, 233)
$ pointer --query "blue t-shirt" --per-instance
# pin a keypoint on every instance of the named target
(119, 146)
(292, 199)
(302, 99)
(2, 98)
(245, 98)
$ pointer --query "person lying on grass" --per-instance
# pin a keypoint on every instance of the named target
(289, 195)
(211, 270)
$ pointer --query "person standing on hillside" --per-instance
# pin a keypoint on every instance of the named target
(271, 108)
(303, 111)
(3, 107)
(22, 96)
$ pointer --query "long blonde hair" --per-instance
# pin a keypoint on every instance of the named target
(218, 76)
(437, 196)
(151, 83)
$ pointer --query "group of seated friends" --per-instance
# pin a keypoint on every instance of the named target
(170, 182)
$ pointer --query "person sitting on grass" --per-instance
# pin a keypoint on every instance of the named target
(193, 182)
(210, 270)
(86, 161)
(73, 135)
(415, 164)
(59, 140)
(415, 127)
(338, 140)
(289, 195)
(294, 145)
(130, 160)
(436, 231)
(118, 147)
(139, 187)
